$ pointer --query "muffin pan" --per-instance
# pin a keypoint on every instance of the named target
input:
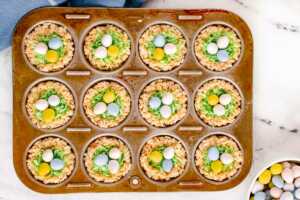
(134, 131)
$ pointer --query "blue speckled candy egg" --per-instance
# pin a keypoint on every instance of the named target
(57, 164)
(113, 109)
(223, 56)
(278, 181)
(101, 159)
(154, 102)
(260, 196)
(213, 153)
(159, 41)
(167, 165)
(55, 43)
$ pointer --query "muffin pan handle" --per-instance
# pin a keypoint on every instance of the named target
(77, 16)
(78, 73)
(190, 17)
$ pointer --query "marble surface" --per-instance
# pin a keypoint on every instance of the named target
(275, 25)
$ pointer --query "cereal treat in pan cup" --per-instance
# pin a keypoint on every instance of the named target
(107, 104)
(107, 47)
(218, 157)
(107, 159)
(217, 47)
(50, 160)
(162, 47)
(49, 47)
(163, 103)
(50, 104)
(218, 102)
(163, 158)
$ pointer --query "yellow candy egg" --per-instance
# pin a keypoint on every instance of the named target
(213, 100)
(109, 96)
(51, 56)
(158, 54)
(44, 169)
(156, 156)
(48, 115)
(265, 177)
(217, 166)
(276, 169)
(113, 51)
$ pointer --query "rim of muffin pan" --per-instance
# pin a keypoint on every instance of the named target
(93, 139)
(224, 24)
(217, 133)
(73, 149)
(242, 107)
(85, 60)
(45, 79)
(147, 83)
(162, 182)
(93, 83)
(144, 29)
(75, 42)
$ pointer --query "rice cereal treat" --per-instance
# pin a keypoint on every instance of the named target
(50, 104)
(217, 47)
(49, 47)
(280, 181)
(107, 47)
(163, 158)
(163, 103)
(162, 47)
(107, 104)
(218, 157)
(218, 102)
(50, 160)
(107, 159)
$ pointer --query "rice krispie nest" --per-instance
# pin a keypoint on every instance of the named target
(173, 35)
(107, 141)
(221, 141)
(205, 111)
(34, 157)
(42, 33)
(157, 142)
(64, 111)
(210, 34)
(180, 102)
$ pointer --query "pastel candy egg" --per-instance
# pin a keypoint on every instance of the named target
(44, 169)
(154, 102)
(165, 112)
(213, 153)
(297, 193)
(167, 165)
(41, 105)
(106, 40)
(213, 99)
(159, 41)
(170, 48)
(47, 155)
(225, 99)
(55, 43)
(53, 100)
(296, 171)
(288, 187)
(41, 48)
(51, 56)
(275, 192)
(297, 182)
(101, 160)
(219, 110)
(276, 169)
(109, 96)
(216, 166)
(222, 56)
(167, 98)
(101, 52)
(169, 153)
(287, 175)
(156, 156)
(158, 54)
(278, 181)
(100, 108)
(48, 115)
(57, 164)
(226, 158)
(114, 153)
(287, 196)
(113, 51)
(212, 48)
(265, 177)
(223, 42)
(113, 109)
(113, 166)
(257, 187)
(260, 196)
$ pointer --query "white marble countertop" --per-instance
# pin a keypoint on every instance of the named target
(275, 25)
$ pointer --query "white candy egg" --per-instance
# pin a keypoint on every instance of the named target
(219, 110)
(169, 153)
(53, 100)
(225, 99)
(165, 112)
(113, 166)
(41, 105)
(297, 193)
(212, 48)
(100, 108)
(101, 160)
(257, 187)
(57, 164)
(106, 40)
(101, 52)
(154, 102)
(223, 42)
(288, 187)
(226, 158)
(170, 48)
(159, 41)
(287, 175)
(297, 182)
(287, 196)
(167, 165)
(41, 48)
(114, 153)
(47, 155)
(296, 171)
(275, 192)
(167, 98)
